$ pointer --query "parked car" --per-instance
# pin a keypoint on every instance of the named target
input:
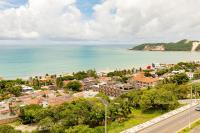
(197, 108)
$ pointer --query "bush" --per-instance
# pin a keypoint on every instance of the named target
(8, 129)
(74, 86)
(158, 99)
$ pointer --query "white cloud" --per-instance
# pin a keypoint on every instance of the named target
(113, 20)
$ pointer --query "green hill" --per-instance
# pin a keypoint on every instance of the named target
(183, 45)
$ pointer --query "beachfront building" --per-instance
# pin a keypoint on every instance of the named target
(140, 81)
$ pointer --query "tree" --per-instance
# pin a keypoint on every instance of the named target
(92, 73)
(36, 84)
(196, 75)
(162, 72)
(147, 99)
(80, 75)
(158, 99)
(59, 82)
(133, 97)
(68, 77)
(165, 100)
(19, 81)
(79, 129)
(45, 124)
(8, 129)
(103, 96)
(119, 109)
(74, 86)
(182, 91)
(57, 128)
(180, 78)
(29, 112)
(16, 90)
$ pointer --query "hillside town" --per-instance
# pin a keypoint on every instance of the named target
(52, 90)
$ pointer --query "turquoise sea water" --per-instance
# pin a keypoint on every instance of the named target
(25, 60)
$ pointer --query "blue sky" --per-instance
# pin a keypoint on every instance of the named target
(85, 6)
(5, 4)
(17, 2)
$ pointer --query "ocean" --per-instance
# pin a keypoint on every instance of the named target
(23, 61)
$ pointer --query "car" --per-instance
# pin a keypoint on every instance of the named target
(197, 108)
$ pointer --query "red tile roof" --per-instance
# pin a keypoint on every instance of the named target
(141, 78)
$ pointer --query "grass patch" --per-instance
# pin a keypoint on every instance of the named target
(15, 123)
(194, 125)
(135, 118)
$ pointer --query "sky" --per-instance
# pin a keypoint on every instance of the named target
(99, 20)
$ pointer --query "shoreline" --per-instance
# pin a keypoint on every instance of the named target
(63, 73)
(98, 71)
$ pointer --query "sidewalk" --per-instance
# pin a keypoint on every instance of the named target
(159, 119)
(195, 130)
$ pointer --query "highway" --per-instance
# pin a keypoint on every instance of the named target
(174, 123)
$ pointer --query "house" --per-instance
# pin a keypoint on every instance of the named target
(190, 75)
(88, 82)
(101, 74)
(86, 94)
(26, 88)
(114, 89)
(104, 79)
(178, 71)
(140, 81)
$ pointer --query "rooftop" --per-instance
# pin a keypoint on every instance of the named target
(141, 78)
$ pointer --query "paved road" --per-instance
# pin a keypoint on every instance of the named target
(174, 123)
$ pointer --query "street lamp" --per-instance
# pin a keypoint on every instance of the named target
(190, 107)
(106, 103)
(106, 106)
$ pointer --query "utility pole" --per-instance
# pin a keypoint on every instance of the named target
(106, 106)
(106, 118)
(190, 107)
(106, 103)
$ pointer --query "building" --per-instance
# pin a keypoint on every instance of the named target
(26, 88)
(88, 82)
(114, 89)
(190, 75)
(140, 81)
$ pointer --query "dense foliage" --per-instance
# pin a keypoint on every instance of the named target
(10, 87)
(73, 86)
(161, 72)
(67, 116)
(187, 66)
(81, 75)
(87, 115)
(182, 45)
(196, 75)
(8, 129)
(120, 73)
(179, 79)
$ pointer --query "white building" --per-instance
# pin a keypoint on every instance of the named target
(26, 88)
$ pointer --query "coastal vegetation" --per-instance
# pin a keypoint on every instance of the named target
(183, 45)
(8, 129)
(75, 76)
(88, 114)
(9, 88)
(120, 73)
(73, 86)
